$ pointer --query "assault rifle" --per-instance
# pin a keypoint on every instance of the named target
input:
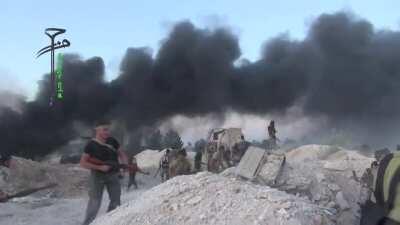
(115, 166)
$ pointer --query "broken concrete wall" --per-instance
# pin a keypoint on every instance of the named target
(328, 176)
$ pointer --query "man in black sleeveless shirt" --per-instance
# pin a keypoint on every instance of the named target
(106, 149)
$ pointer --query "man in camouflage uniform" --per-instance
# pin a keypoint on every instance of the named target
(383, 181)
(164, 166)
(181, 165)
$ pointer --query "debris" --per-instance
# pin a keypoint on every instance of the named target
(215, 201)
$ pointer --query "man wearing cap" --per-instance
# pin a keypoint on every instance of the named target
(106, 149)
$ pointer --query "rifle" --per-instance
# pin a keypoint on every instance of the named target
(115, 166)
(26, 192)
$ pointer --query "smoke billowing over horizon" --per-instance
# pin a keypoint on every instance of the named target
(345, 70)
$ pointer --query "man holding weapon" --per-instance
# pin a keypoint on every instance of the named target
(164, 166)
(101, 156)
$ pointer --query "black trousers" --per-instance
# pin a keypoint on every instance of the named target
(98, 182)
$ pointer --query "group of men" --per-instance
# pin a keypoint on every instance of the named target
(105, 159)
(172, 165)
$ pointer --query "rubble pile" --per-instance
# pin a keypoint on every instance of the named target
(207, 198)
(329, 177)
(25, 174)
(317, 185)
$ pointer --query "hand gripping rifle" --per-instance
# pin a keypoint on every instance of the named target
(115, 166)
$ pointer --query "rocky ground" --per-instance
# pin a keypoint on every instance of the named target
(207, 198)
(317, 186)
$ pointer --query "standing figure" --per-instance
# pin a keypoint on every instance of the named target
(181, 165)
(272, 134)
(197, 161)
(133, 168)
(102, 175)
(164, 166)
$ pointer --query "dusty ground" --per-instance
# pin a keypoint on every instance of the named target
(60, 211)
(198, 199)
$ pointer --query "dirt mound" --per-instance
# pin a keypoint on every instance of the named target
(328, 176)
(71, 179)
(311, 152)
(207, 198)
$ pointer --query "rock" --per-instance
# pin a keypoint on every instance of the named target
(342, 202)
(334, 187)
(73, 159)
(319, 173)
(194, 200)
(331, 205)
(320, 177)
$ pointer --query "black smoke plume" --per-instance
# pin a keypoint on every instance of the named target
(345, 70)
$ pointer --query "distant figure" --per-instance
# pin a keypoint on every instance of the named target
(272, 133)
(181, 165)
(133, 168)
(226, 156)
(164, 166)
(197, 161)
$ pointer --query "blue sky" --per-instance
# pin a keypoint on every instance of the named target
(107, 28)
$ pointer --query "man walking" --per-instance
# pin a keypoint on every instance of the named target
(102, 149)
